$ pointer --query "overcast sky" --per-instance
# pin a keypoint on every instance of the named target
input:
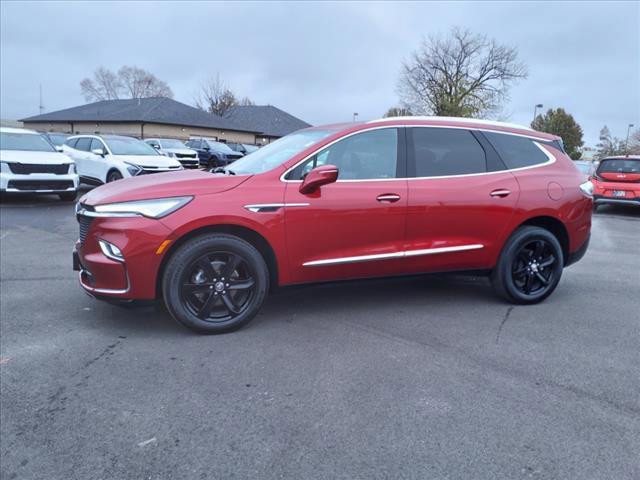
(322, 61)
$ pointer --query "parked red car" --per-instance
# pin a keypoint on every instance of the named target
(617, 181)
(390, 197)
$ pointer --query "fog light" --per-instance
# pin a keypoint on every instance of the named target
(111, 251)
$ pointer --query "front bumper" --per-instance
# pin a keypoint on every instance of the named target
(134, 276)
(38, 183)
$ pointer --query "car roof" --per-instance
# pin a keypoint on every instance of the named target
(96, 135)
(454, 122)
(18, 130)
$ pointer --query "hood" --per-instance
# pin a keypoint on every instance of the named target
(21, 156)
(181, 151)
(149, 160)
(160, 185)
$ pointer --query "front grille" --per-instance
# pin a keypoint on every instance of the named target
(85, 223)
(186, 155)
(40, 184)
(28, 168)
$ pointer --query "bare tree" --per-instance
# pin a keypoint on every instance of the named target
(463, 75)
(634, 143)
(139, 83)
(398, 112)
(105, 85)
(129, 82)
(609, 145)
(214, 96)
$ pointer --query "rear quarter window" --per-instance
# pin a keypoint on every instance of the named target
(516, 152)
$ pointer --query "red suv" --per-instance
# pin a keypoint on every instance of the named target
(388, 197)
(617, 181)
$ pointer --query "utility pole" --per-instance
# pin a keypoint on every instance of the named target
(355, 116)
(626, 142)
(535, 110)
(41, 106)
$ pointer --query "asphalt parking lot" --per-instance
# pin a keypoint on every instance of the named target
(426, 378)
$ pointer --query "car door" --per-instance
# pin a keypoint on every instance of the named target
(354, 227)
(82, 157)
(460, 200)
(100, 164)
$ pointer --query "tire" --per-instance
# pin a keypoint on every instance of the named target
(113, 176)
(529, 258)
(213, 161)
(197, 289)
(68, 196)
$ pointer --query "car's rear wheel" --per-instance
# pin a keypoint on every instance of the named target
(68, 196)
(529, 267)
(113, 176)
(215, 283)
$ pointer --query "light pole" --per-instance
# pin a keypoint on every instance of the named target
(626, 142)
(355, 115)
(535, 110)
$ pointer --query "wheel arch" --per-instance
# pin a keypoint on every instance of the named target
(553, 225)
(251, 236)
(113, 169)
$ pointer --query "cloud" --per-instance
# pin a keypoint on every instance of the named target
(321, 61)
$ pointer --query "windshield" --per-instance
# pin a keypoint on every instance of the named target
(129, 146)
(25, 141)
(250, 148)
(278, 152)
(219, 147)
(170, 143)
(57, 138)
(619, 165)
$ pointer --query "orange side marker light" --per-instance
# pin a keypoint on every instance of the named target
(162, 247)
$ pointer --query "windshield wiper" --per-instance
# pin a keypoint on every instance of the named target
(226, 171)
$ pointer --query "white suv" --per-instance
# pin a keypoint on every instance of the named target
(106, 158)
(30, 164)
(175, 149)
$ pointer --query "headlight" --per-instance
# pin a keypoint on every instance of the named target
(72, 168)
(4, 167)
(587, 188)
(170, 154)
(133, 169)
(157, 208)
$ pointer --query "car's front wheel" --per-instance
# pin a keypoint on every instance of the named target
(529, 267)
(215, 283)
(68, 196)
(113, 176)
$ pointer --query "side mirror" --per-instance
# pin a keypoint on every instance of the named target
(206, 147)
(59, 148)
(98, 151)
(157, 147)
(317, 177)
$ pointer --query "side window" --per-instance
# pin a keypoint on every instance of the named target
(95, 143)
(516, 152)
(438, 152)
(364, 156)
(84, 144)
(196, 144)
(71, 142)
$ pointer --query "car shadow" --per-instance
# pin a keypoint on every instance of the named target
(357, 298)
(628, 211)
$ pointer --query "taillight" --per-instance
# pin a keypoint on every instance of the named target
(587, 188)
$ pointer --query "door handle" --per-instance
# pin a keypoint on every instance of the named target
(388, 198)
(501, 192)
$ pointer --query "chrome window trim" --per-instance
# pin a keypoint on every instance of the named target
(258, 207)
(536, 141)
(386, 256)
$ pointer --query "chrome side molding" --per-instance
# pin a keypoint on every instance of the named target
(272, 207)
(386, 256)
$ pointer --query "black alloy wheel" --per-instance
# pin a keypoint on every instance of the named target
(217, 286)
(529, 267)
(215, 283)
(534, 267)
